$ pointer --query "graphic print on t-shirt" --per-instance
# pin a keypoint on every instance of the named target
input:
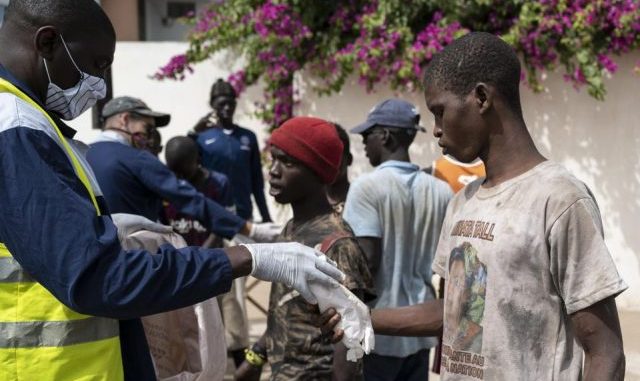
(464, 310)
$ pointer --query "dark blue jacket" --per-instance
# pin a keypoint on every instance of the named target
(49, 224)
(236, 155)
(134, 181)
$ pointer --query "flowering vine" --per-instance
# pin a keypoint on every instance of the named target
(388, 42)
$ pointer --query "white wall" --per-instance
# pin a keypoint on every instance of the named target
(174, 30)
(598, 141)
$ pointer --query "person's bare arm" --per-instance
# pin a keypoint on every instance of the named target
(343, 370)
(598, 330)
(240, 260)
(424, 319)
(372, 248)
(248, 372)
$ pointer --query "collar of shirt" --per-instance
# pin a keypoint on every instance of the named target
(112, 136)
(398, 164)
(5, 74)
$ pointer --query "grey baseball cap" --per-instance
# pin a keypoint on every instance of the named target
(136, 106)
(391, 113)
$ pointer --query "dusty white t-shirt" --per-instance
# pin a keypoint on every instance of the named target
(518, 259)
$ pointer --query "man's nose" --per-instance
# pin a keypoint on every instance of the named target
(274, 169)
(437, 131)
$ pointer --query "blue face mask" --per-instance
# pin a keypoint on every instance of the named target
(72, 102)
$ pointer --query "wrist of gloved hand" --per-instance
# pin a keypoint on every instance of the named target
(295, 265)
(265, 232)
(130, 223)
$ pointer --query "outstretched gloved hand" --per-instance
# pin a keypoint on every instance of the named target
(265, 232)
(295, 265)
(131, 223)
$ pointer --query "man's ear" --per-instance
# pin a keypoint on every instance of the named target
(483, 95)
(388, 140)
(46, 41)
(124, 118)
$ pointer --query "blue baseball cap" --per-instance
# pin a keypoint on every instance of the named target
(391, 113)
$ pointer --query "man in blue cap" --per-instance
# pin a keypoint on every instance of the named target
(396, 213)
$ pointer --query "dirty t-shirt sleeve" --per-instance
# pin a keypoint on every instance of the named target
(351, 260)
(581, 266)
(440, 261)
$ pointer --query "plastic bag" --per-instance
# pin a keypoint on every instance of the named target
(186, 344)
(355, 317)
(356, 320)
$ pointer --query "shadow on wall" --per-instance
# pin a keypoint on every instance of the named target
(597, 141)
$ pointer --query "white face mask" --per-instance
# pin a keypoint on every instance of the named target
(72, 102)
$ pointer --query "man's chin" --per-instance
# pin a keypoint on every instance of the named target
(280, 199)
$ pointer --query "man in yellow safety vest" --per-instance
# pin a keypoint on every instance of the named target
(70, 297)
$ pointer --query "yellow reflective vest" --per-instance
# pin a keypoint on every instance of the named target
(41, 338)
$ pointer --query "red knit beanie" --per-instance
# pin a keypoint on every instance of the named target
(312, 141)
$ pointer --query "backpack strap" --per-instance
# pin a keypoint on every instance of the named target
(328, 242)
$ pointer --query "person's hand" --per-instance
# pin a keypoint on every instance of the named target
(327, 322)
(265, 232)
(131, 223)
(295, 265)
(205, 122)
(247, 372)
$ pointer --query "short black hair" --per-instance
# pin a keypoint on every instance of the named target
(473, 58)
(180, 149)
(69, 16)
(221, 87)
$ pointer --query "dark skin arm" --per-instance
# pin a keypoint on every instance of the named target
(598, 330)
(240, 260)
(344, 370)
(248, 372)
(423, 319)
(372, 248)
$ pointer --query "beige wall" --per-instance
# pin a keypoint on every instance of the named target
(598, 141)
(124, 16)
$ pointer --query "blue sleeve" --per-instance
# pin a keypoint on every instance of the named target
(226, 196)
(157, 177)
(257, 180)
(361, 212)
(51, 228)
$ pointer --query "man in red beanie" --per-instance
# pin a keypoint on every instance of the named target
(306, 154)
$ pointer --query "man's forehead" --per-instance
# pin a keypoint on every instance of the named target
(280, 154)
(433, 95)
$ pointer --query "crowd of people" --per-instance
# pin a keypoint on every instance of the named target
(526, 286)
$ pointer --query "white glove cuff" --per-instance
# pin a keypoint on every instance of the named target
(253, 256)
(252, 231)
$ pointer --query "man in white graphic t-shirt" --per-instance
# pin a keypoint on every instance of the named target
(531, 285)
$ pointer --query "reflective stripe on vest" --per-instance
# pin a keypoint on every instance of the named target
(30, 334)
(11, 271)
(41, 338)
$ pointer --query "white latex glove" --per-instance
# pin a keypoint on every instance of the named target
(355, 319)
(265, 232)
(295, 265)
(131, 223)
